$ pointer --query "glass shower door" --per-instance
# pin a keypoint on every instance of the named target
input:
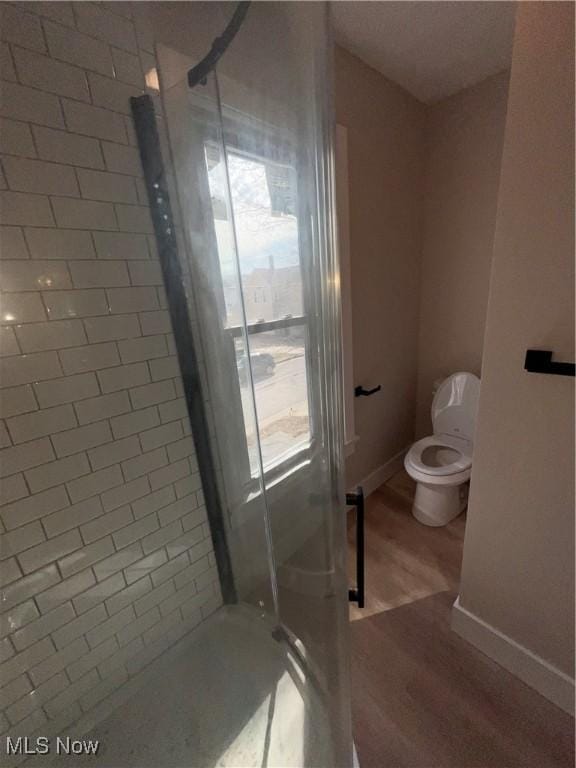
(252, 157)
(177, 596)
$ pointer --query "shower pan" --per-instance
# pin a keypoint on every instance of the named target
(237, 160)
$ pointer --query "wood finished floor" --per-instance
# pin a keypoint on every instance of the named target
(421, 696)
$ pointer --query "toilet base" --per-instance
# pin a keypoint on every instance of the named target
(437, 505)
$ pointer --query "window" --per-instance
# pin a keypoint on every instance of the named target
(261, 277)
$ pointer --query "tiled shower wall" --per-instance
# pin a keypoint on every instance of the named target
(106, 557)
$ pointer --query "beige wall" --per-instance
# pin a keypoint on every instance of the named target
(423, 184)
(385, 154)
(518, 571)
(464, 136)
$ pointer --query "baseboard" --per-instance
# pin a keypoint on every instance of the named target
(383, 473)
(533, 670)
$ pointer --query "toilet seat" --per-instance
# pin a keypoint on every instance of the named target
(461, 463)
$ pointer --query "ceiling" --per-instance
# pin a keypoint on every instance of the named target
(432, 49)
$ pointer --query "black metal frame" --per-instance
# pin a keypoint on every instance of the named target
(356, 595)
(267, 325)
(200, 72)
(162, 219)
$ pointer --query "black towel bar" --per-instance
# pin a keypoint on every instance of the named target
(540, 361)
(356, 595)
(359, 391)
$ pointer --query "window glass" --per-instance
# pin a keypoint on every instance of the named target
(281, 392)
(263, 197)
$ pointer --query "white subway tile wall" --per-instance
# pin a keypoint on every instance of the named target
(105, 555)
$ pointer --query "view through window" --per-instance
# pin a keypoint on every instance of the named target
(263, 199)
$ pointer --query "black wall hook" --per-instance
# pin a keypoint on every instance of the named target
(540, 361)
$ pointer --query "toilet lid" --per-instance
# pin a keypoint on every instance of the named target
(455, 406)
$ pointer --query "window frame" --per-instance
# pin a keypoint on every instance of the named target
(290, 462)
(344, 257)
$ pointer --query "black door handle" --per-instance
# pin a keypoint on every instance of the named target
(361, 392)
(540, 361)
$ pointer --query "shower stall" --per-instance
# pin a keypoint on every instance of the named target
(238, 169)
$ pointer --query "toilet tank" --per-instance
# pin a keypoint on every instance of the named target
(455, 406)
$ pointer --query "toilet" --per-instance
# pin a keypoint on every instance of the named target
(441, 464)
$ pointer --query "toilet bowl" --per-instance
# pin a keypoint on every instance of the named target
(441, 463)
